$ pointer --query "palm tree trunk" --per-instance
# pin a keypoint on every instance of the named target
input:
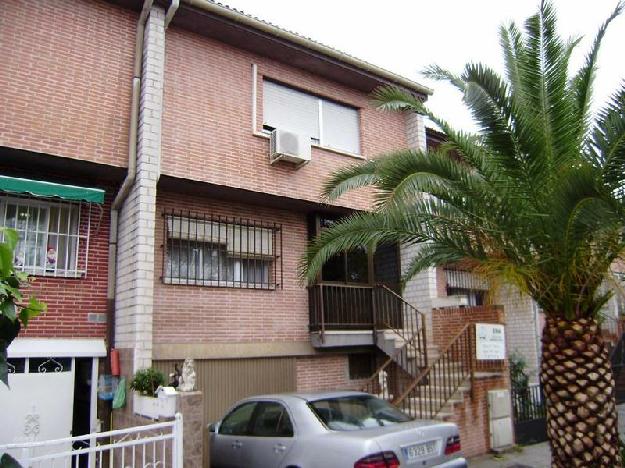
(577, 380)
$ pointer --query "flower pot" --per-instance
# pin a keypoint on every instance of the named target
(146, 406)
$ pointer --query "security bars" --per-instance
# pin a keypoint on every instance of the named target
(53, 235)
(220, 251)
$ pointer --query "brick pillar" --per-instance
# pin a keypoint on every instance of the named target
(135, 260)
(191, 406)
(421, 290)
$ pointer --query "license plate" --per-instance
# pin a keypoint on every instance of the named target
(421, 450)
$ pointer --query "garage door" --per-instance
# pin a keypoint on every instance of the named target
(224, 381)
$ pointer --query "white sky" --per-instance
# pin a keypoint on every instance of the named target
(405, 36)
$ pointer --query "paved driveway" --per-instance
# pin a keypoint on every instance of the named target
(531, 456)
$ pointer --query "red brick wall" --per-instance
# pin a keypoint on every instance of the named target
(209, 314)
(207, 121)
(65, 78)
(70, 300)
(448, 322)
(320, 373)
(472, 415)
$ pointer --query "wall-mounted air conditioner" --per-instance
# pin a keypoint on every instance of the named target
(290, 147)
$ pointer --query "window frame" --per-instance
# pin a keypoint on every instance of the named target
(232, 411)
(320, 142)
(257, 412)
(77, 243)
(271, 264)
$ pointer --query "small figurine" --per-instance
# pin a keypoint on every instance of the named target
(187, 379)
(174, 377)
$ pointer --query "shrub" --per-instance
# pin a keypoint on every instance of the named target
(146, 381)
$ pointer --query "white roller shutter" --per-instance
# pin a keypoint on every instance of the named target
(341, 129)
(291, 110)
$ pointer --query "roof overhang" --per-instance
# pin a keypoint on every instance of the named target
(243, 31)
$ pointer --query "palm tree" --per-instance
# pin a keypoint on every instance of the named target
(535, 199)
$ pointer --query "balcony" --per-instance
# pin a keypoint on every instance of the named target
(352, 315)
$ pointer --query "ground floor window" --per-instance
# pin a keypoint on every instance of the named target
(53, 236)
(361, 365)
(224, 252)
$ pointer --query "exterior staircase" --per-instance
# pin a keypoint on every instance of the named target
(423, 380)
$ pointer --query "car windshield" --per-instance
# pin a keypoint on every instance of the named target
(356, 412)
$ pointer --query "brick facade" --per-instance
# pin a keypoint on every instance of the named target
(232, 314)
(320, 373)
(65, 78)
(207, 121)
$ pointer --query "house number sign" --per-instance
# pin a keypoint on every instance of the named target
(490, 342)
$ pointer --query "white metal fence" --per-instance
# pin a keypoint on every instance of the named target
(157, 445)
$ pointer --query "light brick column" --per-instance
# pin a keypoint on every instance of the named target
(135, 259)
(421, 290)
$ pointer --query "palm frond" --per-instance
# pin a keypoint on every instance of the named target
(391, 98)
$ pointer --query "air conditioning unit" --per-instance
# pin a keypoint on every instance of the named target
(290, 147)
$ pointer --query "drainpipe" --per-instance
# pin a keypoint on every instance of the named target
(129, 180)
(171, 11)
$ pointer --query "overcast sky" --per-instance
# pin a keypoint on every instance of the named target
(405, 36)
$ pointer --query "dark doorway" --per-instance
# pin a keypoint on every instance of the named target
(81, 423)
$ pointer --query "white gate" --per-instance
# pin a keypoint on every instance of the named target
(157, 445)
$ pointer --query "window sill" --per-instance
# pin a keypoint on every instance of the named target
(325, 148)
(218, 284)
(48, 274)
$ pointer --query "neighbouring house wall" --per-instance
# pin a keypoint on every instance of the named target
(448, 322)
(421, 290)
(205, 315)
(522, 330)
(76, 306)
(207, 121)
(65, 78)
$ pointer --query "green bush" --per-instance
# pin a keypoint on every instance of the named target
(146, 381)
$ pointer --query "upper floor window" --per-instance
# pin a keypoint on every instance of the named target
(328, 123)
(52, 240)
(223, 252)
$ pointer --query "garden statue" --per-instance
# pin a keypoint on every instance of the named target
(174, 377)
(187, 379)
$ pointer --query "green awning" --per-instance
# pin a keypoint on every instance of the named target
(39, 188)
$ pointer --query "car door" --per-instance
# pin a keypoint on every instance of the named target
(271, 436)
(227, 442)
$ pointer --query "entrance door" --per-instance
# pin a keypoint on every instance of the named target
(38, 405)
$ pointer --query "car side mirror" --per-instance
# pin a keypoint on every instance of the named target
(213, 427)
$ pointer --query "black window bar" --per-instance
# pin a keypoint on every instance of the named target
(220, 251)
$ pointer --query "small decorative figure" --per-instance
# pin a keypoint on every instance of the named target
(187, 379)
(174, 377)
(51, 257)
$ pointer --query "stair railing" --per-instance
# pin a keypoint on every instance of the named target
(392, 312)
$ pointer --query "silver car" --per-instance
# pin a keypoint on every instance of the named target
(333, 429)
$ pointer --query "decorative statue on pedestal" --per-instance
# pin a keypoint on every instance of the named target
(187, 379)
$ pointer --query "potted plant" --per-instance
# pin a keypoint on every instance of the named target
(144, 383)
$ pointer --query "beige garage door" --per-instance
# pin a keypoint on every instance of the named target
(224, 381)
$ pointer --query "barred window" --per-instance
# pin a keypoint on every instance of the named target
(53, 240)
(222, 252)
